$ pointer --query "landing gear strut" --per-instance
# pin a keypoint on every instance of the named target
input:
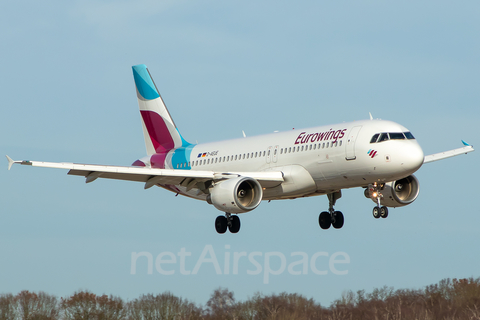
(332, 217)
(374, 192)
(227, 221)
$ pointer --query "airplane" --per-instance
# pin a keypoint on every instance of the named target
(236, 175)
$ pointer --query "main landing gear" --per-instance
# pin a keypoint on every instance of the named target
(332, 217)
(227, 221)
(374, 192)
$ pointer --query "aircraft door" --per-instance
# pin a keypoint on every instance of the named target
(350, 145)
(269, 154)
(275, 154)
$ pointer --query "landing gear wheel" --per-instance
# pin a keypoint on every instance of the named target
(376, 212)
(324, 220)
(221, 224)
(384, 212)
(234, 226)
(338, 220)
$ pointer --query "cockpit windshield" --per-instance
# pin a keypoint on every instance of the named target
(385, 136)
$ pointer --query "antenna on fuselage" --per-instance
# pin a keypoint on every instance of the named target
(244, 135)
(371, 118)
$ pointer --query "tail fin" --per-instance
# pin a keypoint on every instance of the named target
(159, 130)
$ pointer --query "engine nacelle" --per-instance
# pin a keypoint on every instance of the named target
(236, 195)
(401, 192)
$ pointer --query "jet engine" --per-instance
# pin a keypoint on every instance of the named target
(236, 195)
(400, 193)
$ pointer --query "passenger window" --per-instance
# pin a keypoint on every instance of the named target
(341, 143)
(396, 136)
(310, 147)
(314, 147)
(281, 151)
(374, 138)
(264, 153)
(298, 148)
(383, 137)
(289, 149)
(248, 155)
(268, 153)
(323, 145)
(275, 152)
(328, 143)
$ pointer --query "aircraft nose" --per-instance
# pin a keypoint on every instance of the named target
(412, 157)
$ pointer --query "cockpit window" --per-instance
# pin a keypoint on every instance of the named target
(383, 137)
(396, 136)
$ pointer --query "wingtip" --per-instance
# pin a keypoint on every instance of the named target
(466, 144)
(10, 162)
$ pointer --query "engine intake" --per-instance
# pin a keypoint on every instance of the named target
(236, 195)
(401, 192)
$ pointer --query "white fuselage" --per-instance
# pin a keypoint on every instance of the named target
(314, 161)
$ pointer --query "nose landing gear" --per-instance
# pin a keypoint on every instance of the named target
(374, 192)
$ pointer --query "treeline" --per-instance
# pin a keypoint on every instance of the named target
(449, 299)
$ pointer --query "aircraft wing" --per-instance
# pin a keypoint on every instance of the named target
(448, 154)
(151, 176)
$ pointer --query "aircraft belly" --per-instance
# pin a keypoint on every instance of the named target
(193, 193)
(297, 183)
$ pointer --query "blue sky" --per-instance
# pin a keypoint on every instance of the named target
(67, 94)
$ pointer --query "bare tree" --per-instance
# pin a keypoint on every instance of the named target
(33, 306)
(221, 305)
(110, 308)
(163, 306)
(8, 307)
(82, 305)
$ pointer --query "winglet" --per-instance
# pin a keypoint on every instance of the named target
(465, 143)
(10, 162)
